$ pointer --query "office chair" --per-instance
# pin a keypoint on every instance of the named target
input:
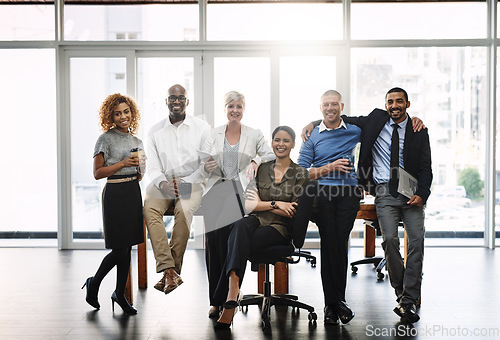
(282, 253)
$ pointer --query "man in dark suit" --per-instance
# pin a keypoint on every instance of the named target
(389, 143)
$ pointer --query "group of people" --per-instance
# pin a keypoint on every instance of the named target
(249, 193)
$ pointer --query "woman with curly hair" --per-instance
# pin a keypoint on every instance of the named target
(116, 158)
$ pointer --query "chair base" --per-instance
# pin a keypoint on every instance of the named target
(378, 262)
(267, 300)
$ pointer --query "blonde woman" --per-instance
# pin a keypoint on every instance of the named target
(238, 151)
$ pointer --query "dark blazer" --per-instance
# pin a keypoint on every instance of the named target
(416, 152)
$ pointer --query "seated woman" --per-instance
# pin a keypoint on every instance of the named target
(273, 201)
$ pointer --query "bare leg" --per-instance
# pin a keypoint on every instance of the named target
(232, 294)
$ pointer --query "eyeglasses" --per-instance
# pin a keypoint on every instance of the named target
(172, 99)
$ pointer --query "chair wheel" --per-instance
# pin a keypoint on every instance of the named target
(354, 269)
(312, 316)
(313, 263)
(244, 309)
(380, 276)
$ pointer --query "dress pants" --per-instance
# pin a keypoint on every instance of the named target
(390, 210)
(246, 236)
(215, 256)
(170, 254)
(337, 207)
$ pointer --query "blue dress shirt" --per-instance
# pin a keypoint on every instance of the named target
(382, 151)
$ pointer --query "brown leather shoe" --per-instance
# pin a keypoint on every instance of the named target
(160, 285)
(172, 280)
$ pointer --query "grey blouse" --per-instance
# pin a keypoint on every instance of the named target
(115, 147)
(230, 155)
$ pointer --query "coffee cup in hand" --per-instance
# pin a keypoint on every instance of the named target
(136, 152)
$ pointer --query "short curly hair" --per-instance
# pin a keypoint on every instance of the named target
(108, 106)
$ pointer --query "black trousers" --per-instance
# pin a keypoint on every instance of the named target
(246, 236)
(337, 207)
(215, 256)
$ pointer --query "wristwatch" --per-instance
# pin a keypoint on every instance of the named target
(273, 205)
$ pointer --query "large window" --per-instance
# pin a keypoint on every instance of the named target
(446, 88)
(29, 174)
(281, 54)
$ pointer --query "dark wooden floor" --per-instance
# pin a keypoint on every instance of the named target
(40, 298)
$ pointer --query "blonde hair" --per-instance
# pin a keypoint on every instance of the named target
(231, 96)
(108, 107)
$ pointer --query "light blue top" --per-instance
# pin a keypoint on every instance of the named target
(381, 151)
(326, 146)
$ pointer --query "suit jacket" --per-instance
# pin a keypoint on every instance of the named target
(416, 152)
(253, 147)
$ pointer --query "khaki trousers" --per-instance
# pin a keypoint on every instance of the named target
(170, 254)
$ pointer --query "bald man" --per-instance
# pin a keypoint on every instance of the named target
(176, 174)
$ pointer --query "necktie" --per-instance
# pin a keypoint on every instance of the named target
(393, 180)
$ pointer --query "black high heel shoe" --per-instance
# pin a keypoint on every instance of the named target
(123, 303)
(91, 300)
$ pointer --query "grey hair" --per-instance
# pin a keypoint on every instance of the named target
(231, 96)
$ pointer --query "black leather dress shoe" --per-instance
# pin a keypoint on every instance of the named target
(343, 311)
(407, 311)
(331, 318)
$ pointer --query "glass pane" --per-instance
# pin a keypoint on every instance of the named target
(267, 21)
(428, 20)
(29, 185)
(175, 22)
(447, 90)
(91, 80)
(156, 75)
(27, 22)
(302, 82)
(249, 76)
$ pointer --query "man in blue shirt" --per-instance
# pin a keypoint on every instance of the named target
(329, 156)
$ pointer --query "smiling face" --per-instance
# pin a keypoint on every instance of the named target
(235, 110)
(396, 105)
(331, 106)
(177, 103)
(282, 144)
(122, 117)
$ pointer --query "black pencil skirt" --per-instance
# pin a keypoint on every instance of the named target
(122, 214)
